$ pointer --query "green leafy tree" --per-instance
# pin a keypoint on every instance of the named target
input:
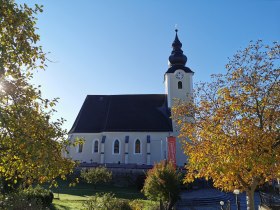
(96, 175)
(31, 143)
(233, 124)
(163, 184)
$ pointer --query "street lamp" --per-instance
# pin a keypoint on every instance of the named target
(236, 192)
(222, 203)
(225, 207)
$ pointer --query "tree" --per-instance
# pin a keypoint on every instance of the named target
(96, 175)
(31, 143)
(163, 184)
(232, 125)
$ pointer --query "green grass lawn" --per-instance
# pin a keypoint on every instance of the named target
(67, 204)
(85, 190)
(66, 198)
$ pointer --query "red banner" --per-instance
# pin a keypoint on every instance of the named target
(171, 141)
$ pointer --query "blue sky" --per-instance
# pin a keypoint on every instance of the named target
(122, 47)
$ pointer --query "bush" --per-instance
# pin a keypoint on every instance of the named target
(96, 175)
(163, 184)
(106, 201)
(38, 193)
(18, 201)
(143, 205)
(137, 205)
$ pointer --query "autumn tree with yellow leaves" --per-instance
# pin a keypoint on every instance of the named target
(31, 143)
(231, 129)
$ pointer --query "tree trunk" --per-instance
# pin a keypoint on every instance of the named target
(250, 199)
(161, 207)
(170, 205)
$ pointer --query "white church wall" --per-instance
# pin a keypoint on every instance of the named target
(110, 156)
(138, 158)
(87, 154)
(158, 148)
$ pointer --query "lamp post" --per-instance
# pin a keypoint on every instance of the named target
(222, 203)
(236, 192)
(225, 207)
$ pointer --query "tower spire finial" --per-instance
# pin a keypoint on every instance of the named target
(176, 28)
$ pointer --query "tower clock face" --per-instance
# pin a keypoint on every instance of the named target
(179, 75)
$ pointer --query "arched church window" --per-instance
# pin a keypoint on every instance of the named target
(137, 149)
(116, 147)
(95, 146)
(80, 148)
(180, 85)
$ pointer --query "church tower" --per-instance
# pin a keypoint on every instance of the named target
(178, 78)
(178, 85)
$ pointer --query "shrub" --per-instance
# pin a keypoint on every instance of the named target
(137, 205)
(96, 175)
(38, 193)
(16, 201)
(143, 205)
(163, 184)
(106, 201)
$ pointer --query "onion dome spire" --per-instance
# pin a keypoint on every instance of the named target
(177, 57)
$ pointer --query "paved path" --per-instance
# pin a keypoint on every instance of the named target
(200, 208)
(210, 198)
(202, 193)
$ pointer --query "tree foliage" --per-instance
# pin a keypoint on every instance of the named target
(232, 126)
(96, 175)
(163, 184)
(31, 143)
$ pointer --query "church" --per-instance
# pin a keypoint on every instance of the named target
(134, 129)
